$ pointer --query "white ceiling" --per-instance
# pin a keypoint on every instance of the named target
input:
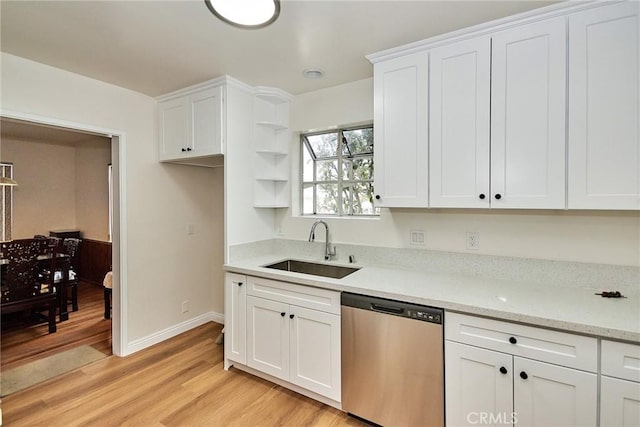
(155, 47)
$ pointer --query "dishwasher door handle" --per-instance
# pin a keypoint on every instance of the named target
(386, 309)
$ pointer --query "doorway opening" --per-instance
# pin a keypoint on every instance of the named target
(103, 239)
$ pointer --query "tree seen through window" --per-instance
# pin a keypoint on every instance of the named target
(337, 172)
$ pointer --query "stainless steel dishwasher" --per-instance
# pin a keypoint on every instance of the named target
(392, 361)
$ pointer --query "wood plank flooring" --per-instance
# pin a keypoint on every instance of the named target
(179, 382)
(22, 344)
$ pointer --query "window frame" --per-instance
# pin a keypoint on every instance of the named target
(340, 181)
(6, 199)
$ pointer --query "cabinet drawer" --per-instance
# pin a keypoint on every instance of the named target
(560, 348)
(621, 360)
(302, 296)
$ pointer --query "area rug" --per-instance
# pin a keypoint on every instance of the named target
(24, 376)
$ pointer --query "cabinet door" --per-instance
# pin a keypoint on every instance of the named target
(315, 351)
(205, 108)
(619, 403)
(174, 132)
(235, 313)
(604, 108)
(268, 336)
(477, 391)
(528, 108)
(400, 129)
(548, 395)
(459, 77)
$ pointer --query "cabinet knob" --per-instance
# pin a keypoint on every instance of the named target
(184, 149)
(282, 314)
(239, 283)
(291, 316)
(524, 375)
(188, 148)
(513, 340)
(482, 196)
(498, 196)
(377, 197)
(503, 370)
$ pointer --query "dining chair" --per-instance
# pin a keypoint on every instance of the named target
(23, 285)
(70, 247)
(107, 284)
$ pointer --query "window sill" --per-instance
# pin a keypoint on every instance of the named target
(344, 217)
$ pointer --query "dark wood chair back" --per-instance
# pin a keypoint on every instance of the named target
(22, 274)
(70, 247)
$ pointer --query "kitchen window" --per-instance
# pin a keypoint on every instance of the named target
(337, 172)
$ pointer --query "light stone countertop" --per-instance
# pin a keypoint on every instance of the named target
(566, 308)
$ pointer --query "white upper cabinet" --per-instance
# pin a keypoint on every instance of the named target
(604, 108)
(205, 112)
(191, 125)
(400, 127)
(460, 78)
(528, 109)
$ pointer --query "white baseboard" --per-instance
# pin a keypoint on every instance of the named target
(216, 317)
(172, 331)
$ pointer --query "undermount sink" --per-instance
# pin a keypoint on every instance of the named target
(316, 269)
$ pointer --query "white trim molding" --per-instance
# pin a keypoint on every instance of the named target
(119, 321)
(554, 10)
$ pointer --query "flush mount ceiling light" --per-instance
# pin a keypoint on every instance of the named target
(245, 13)
(312, 74)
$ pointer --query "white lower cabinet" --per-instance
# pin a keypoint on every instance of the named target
(620, 385)
(295, 344)
(268, 336)
(315, 362)
(547, 395)
(489, 387)
(479, 385)
(235, 309)
(292, 333)
(619, 403)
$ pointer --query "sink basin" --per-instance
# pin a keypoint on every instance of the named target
(316, 269)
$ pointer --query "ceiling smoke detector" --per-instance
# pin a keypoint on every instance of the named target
(247, 14)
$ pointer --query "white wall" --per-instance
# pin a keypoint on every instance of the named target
(92, 188)
(45, 199)
(62, 186)
(165, 266)
(610, 237)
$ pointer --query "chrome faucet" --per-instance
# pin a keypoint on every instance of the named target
(328, 252)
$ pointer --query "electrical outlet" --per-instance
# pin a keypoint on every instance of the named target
(191, 229)
(185, 306)
(473, 240)
(416, 237)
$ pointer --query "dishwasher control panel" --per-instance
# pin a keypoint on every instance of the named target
(394, 308)
(425, 316)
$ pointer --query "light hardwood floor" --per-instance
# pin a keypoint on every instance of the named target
(179, 382)
(22, 344)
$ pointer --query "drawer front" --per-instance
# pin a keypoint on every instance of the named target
(290, 293)
(621, 360)
(560, 348)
